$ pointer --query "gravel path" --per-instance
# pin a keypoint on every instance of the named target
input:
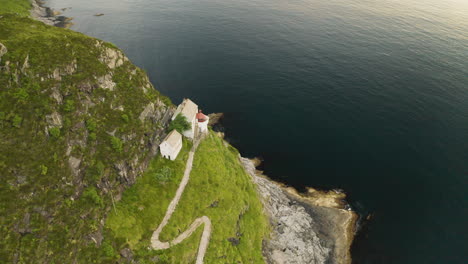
(205, 239)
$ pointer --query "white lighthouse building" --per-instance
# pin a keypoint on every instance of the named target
(202, 122)
(198, 121)
(172, 144)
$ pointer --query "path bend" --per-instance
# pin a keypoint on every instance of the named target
(205, 239)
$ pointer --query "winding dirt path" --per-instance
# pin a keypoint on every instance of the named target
(205, 239)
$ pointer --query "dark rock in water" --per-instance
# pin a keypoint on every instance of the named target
(215, 118)
(62, 18)
(48, 15)
(99, 14)
(63, 21)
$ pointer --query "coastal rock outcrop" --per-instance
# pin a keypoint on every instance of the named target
(48, 16)
(215, 118)
(301, 231)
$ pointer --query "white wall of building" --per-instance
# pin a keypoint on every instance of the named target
(191, 132)
(170, 152)
(171, 145)
(188, 109)
(203, 126)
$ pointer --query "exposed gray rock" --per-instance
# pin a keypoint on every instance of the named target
(3, 51)
(97, 237)
(57, 95)
(56, 75)
(301, 233)
(113, 58)
(293, 240)
(149, 109)
(119, 108)
(69, 149)
(48, 16)
(129, 170)
(86, 87)
(74, 165)
(105, 82)
(126, 253)
(54, 120)
(122, 169)
(70, 68)
(25, 64)
(21, 179)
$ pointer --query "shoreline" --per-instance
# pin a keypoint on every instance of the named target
(312, 227)
(48, 15)
(350, 225)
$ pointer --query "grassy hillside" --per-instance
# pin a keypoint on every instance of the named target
(218, 188)
(20, 7)
(79, 126)
(72, 138)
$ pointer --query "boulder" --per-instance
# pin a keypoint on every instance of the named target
(54, 120)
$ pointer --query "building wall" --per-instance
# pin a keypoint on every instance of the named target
(176, 151)
(169, 152)
(203, 126)
(191, 132)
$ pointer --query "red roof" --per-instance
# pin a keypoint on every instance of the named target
(201, 117)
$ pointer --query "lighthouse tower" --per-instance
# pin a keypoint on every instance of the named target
(202, 121)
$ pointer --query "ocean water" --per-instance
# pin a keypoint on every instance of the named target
(368, 96)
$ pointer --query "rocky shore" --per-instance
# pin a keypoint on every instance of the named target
(49, 16)
(306, 228)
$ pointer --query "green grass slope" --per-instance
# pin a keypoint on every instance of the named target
(20, 7)
(58, 177)
(218, 188)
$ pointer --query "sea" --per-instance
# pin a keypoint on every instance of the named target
(365, 96)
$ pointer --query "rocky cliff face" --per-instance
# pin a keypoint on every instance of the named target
(302, 231)
(78, 124)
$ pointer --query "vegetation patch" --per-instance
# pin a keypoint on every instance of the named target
(144, 204)
(180, 124)
(218, 188)
(21, 7)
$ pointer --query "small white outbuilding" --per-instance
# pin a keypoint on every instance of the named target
(188, 109)
(171, 145)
